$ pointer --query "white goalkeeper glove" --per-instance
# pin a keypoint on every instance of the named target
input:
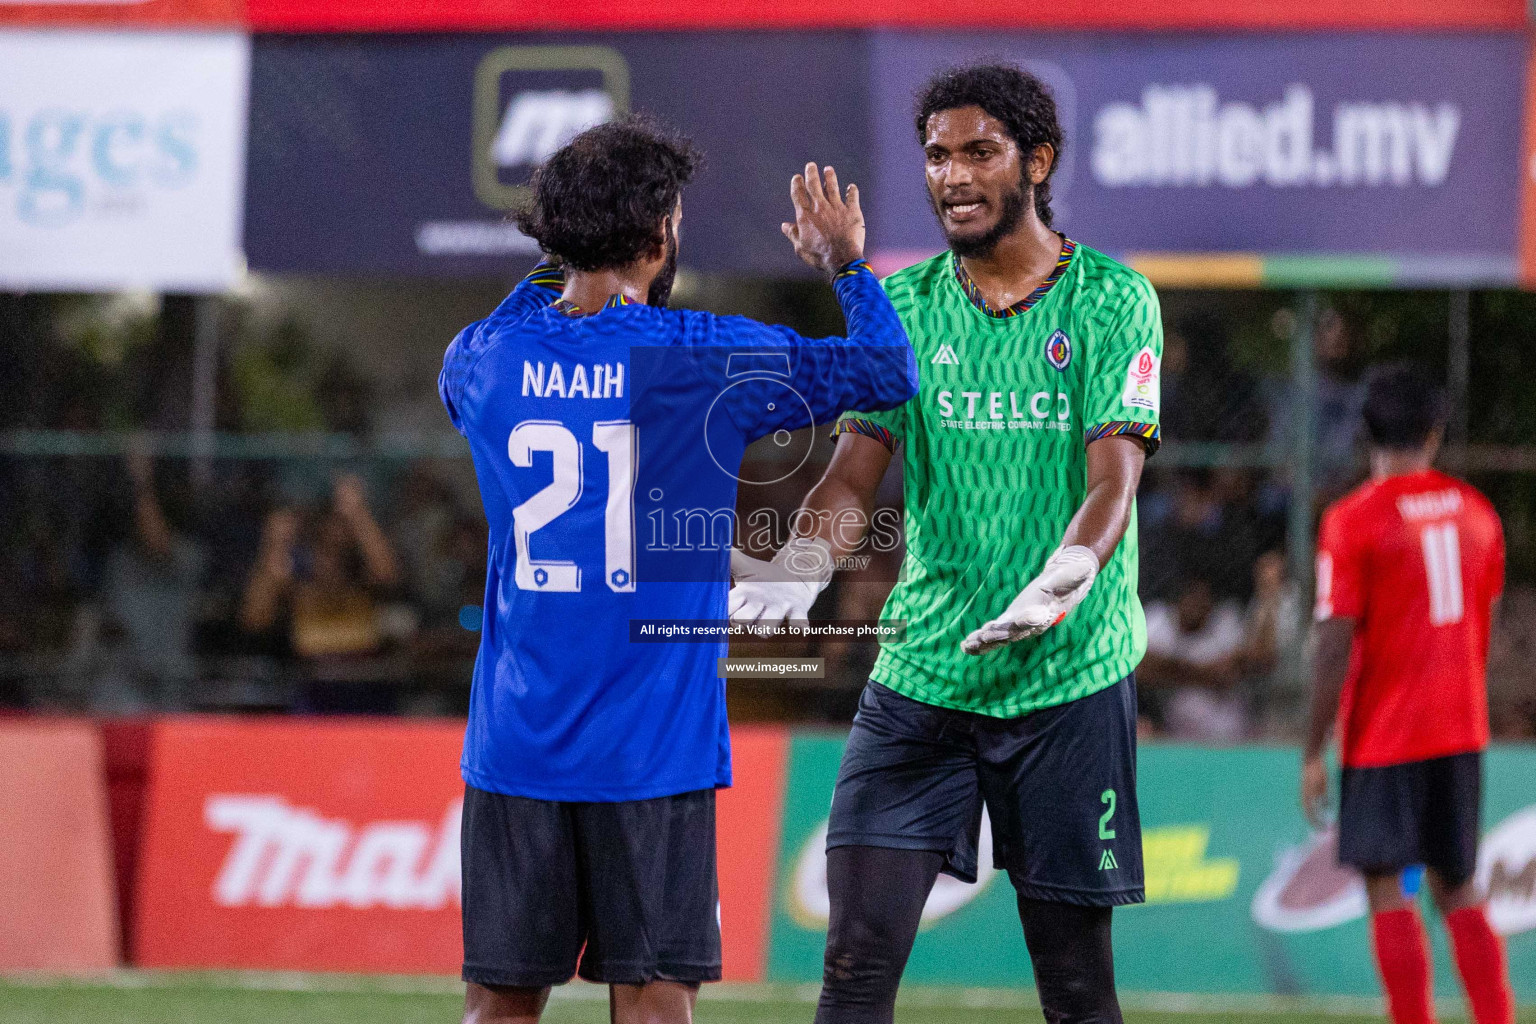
(1065, 580)
(768, 593)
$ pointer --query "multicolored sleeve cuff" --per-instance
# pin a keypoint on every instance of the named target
(547, 275)
(1146, 433)
(869, 428)
(850, 269)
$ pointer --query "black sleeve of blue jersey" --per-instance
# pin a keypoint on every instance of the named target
(538, 289)
(871, 368)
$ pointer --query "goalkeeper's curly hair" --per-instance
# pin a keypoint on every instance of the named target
(597, 202)
(1015, 97)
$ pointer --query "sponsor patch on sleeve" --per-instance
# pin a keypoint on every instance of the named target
(1142, 381)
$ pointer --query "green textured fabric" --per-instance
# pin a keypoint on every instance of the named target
(996, 466)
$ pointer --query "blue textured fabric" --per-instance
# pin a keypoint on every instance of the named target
(606, 447)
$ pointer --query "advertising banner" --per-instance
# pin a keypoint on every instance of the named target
(122, 158)
(301, 845)
(440, 15)
(123, 13)
(1366, 158)
(56, 894)
(405, 155)
(1246, 160)
(334, 845)
(1241, 896)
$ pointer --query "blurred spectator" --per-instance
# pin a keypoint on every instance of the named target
(1189, 533)
(1206, 397)
(132, 648)
(1337, 398)
(427, 530)
(234, 510)
(1273, 629)
(1195, 653)
(1209, 664)
(319, 578)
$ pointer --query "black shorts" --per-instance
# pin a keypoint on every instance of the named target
(1059, 785)
(632, 882)
(1419, 812)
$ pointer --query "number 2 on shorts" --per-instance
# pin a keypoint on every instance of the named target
(1107, 797)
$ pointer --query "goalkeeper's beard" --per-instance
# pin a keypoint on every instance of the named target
(1015, 202)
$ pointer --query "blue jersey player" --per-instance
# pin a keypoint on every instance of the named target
(595, 413)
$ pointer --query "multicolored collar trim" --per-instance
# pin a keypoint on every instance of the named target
(1068, 247)
(570, 308)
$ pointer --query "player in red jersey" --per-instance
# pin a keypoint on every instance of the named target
(1410, 567)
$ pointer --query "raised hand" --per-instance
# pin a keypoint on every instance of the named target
(828, 229)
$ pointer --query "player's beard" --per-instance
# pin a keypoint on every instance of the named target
(1015, 202)
(661, 286)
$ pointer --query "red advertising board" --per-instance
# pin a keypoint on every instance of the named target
(521, 15)
(334, 845)
(747, 819)
(57, 902)
(592, 15)
(140, 13)
(301, 844)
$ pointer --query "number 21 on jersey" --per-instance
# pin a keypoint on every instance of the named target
(617, 439)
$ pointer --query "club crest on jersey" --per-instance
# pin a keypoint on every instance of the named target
(945, 356)
(1058, 350)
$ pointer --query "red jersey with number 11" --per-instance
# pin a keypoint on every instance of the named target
(1417, 561)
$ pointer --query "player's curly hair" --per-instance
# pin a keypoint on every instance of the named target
(1012, 95)
(595, 204)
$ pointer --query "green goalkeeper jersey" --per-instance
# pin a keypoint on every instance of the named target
(995, 455)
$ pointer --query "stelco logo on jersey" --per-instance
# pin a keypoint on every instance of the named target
(1004, 410)
(530, 101)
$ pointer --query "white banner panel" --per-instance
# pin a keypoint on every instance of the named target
(122, 160)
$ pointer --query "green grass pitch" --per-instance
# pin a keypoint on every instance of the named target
(152, 998)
